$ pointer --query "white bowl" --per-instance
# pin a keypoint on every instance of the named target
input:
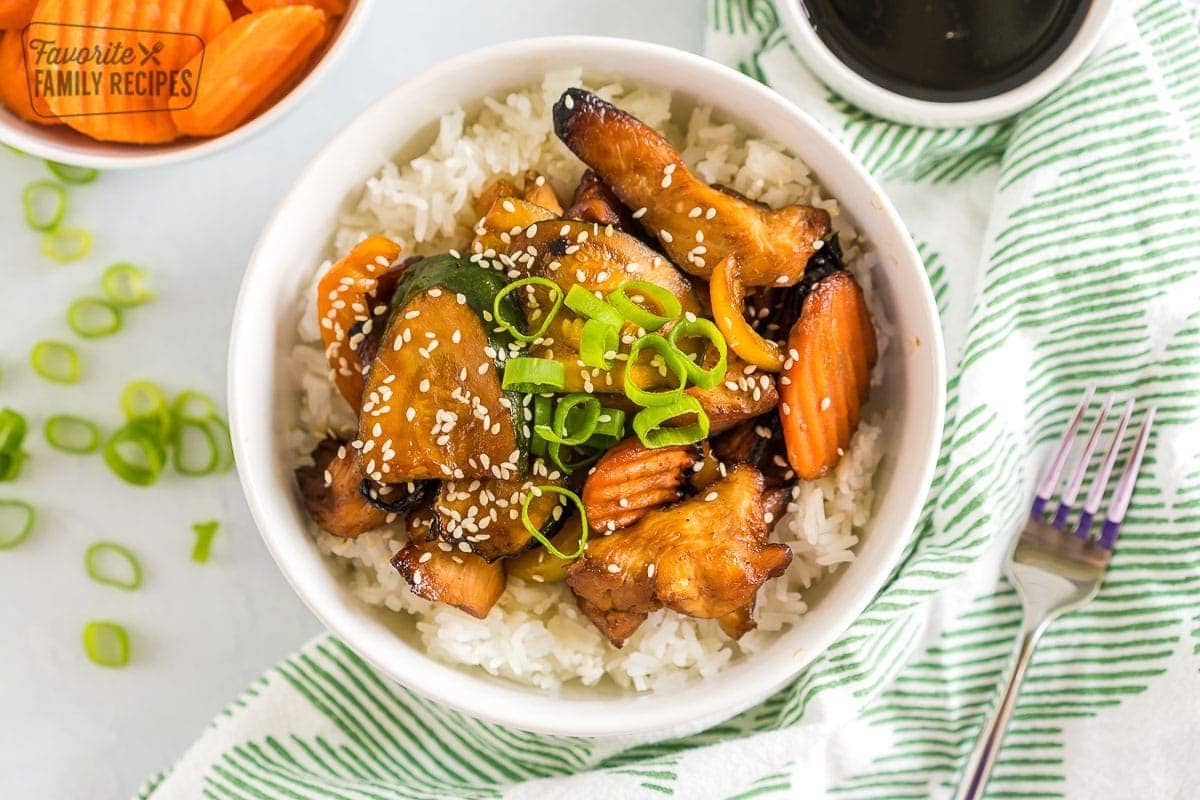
(891, 105)
(61, 143)
(262, 392)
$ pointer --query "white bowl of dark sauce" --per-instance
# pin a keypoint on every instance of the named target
(944, 63)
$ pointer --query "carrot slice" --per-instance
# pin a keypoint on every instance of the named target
(832, 349)
(14, 14)
(344, 299)
(14, 86)
(256, 58)
(127, 101)
(334, 8)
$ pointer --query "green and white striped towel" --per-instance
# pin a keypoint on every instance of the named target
(1064, 250)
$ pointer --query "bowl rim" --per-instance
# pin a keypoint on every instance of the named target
(17, 136)
(507, 703)
(885, 103)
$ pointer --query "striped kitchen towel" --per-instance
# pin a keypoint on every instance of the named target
(1064, 250)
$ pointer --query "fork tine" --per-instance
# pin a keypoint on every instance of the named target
(1049, 481)
(1100, 483)
(1067, 504)
(1123, 494)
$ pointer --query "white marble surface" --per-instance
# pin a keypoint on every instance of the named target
(200, 633)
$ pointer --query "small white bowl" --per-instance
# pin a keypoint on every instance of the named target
(262, 391)
(61, 143)
(891, 105)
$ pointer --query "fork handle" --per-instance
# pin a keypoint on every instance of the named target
(983, 757)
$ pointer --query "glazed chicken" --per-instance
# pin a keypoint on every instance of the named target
(595, 202)
(441, 573)
(696, 224)
(704, 557)
(331, 491)
(536, 190)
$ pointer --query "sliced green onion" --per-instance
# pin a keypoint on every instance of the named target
(534, 375)
(16, 522)
(674, 362)
(72, 434)
(557, 293)
(586, 304)
(45, 204)
(128, 578)
(106, 643)
(93, 318)
(568, 430)
(145, 402)
(611, 423)
(136, 453)
(55, 361)
(529, 526)
(554, 452)
(648, 424)
(12, 430)
(543, 414)
(225, 441)
(67, 244)
(205, 531)
(71, 173)
(701, 329)
(10, 464)
(181, 450)
(124, 284)
(668, 304)
(194, 405)
(598, 344)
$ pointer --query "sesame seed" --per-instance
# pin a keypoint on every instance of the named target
(666, 236)
(650, 570)
(641, 212)
(708, 498)
(825, 402)
(614, 568)
(569, 102)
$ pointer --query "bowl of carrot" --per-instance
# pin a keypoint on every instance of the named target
(132, 83)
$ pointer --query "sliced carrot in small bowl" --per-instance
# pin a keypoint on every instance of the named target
(14, 14)
(334, 8)
(138, 109)
(256, 60)
(14, 86)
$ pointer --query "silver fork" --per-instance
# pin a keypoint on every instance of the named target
(1056, 569)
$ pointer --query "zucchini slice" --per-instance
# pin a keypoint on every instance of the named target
(396, 498)
(486, 514)
(433, 407)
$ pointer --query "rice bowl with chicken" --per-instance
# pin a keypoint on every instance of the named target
(701, 547)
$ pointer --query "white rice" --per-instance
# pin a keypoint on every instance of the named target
(536, 634)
